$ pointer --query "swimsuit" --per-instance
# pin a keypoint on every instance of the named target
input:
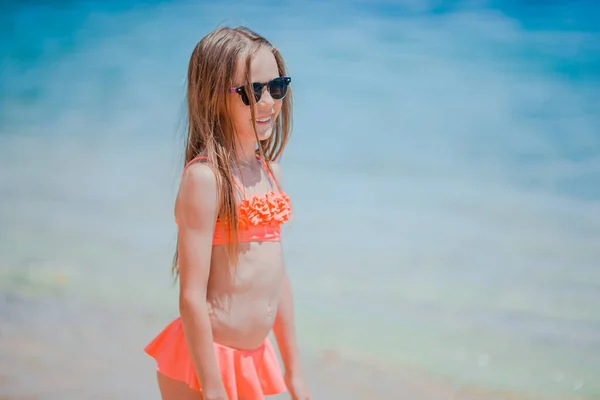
(246, 374)
(259, 217)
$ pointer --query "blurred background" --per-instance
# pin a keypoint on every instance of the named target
(444, 164)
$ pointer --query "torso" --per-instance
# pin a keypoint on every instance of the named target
(243, 299)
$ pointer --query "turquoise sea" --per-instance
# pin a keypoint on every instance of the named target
(444, 165)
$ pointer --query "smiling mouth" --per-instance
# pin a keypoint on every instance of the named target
(264, 120)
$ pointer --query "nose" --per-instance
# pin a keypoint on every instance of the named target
(266, 101)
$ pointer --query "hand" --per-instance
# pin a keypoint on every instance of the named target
(214, 394)
(297, 387)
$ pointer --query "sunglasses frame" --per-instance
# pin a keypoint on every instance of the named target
(241, 89)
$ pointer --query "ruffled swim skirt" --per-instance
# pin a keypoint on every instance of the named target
(246, 374)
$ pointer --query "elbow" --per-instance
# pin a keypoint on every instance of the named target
(192, 302)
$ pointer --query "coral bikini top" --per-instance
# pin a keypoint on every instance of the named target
(259, 217)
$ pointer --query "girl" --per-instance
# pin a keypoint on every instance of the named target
(233, 284)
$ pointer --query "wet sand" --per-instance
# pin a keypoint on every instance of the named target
(59, 348)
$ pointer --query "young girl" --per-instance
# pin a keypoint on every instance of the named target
(229, 210)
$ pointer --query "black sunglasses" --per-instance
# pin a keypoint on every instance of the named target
(276, 87)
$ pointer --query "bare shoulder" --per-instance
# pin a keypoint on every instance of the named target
(198, 175)
(197, 199)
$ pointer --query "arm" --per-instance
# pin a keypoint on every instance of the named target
(284, 327)
(196, 211)
(285, 331)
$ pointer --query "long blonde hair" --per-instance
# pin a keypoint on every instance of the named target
(210, 129)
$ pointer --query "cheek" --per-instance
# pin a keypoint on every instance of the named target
(278, 104)
(241, 116)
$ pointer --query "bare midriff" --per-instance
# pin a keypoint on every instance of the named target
(243, 299)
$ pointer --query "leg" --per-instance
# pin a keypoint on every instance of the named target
(170, 389)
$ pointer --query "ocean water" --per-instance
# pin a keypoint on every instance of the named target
(444, 165)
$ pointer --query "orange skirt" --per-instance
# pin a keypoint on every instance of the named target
(246, 374)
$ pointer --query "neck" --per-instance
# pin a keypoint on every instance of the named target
(246, 151)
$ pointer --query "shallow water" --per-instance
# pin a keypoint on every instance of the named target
(445, 167)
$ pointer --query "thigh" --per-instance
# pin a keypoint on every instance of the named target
(171, 389)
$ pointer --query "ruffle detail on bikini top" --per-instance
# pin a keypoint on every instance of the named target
(263, 210)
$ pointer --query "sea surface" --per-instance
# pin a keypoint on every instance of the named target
(444, 166)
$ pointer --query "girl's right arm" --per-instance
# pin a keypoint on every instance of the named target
(196, 210)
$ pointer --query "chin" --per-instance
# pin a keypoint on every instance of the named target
(265, 134)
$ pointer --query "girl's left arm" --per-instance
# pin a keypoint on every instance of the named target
(285, 334)
(284, 327)
(285, 331)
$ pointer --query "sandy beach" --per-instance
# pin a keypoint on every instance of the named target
(53, 350)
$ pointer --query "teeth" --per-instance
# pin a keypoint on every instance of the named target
(263, 119)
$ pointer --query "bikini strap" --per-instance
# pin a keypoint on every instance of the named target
(269, 173)
(235, 180)
(193, 161)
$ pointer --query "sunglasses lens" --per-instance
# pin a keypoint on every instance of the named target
(278, 88)
(257, 88)
(244, 97)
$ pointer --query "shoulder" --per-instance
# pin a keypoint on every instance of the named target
(197, 198)
(198, 175)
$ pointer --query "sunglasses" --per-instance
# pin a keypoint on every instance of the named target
(277, 89)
